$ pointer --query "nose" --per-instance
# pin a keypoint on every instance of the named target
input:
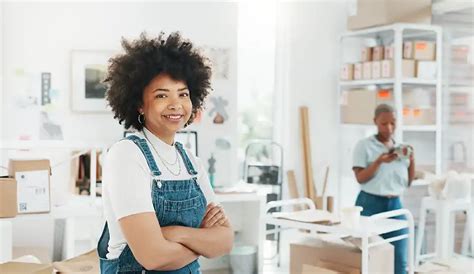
(390, 129)
(174, 106)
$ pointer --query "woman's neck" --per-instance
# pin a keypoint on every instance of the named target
(168, 139)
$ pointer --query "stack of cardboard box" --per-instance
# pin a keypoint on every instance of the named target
(338, 256)
(419, 59)
(26, 190)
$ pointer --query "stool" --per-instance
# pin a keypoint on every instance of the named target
(444, 225)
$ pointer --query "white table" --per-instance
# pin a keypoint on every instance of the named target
(79, 206)
(374, 225)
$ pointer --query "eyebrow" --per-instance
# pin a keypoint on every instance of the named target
(167, 90)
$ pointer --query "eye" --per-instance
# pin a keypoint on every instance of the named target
(184, 94)
(160, 95)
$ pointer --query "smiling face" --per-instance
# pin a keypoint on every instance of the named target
(166, 106)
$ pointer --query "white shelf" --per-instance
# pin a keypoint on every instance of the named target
(416, 30)
(418, 81)
(358, 126)
(388, 81)
(43, 144)
(426, 128)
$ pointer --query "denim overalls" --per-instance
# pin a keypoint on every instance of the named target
(177, 202)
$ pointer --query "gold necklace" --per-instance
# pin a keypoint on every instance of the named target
(165, 163)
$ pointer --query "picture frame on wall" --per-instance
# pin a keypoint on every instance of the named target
(188, 138)
(88, 70)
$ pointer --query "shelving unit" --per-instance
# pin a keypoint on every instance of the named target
(351, 44)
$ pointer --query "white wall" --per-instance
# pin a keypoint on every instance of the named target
(38, 37)
(307, 70)
(2, 171)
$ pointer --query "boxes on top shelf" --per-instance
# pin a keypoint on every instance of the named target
(370, 13)
(377, 53)
(408, 50)
(424, 50)
(388, 52)
(366, 54)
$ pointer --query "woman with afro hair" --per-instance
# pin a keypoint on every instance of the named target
(158, 202)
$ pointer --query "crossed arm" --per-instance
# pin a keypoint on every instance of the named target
(173, 247)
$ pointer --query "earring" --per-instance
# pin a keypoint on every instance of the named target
(141, 118)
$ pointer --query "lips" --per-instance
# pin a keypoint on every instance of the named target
(174, 117)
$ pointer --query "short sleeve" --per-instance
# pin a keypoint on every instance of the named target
(127, 180)
(359, 158)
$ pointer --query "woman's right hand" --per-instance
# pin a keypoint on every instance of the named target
(387, 157)
(214, 216)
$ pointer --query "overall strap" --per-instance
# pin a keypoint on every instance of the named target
(187, 162)
(142, 144)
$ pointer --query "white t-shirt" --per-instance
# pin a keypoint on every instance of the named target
(127, 182)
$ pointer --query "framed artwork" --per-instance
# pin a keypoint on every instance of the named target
(189, 140)
(88, 70)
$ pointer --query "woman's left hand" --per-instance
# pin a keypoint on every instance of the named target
(214, 216)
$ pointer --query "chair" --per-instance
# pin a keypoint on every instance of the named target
(444, 225)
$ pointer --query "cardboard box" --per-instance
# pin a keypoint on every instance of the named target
(366, 54)
(33, 186)
(426, 70)
(347, 72)
(358, 105)
(378, 53)
(388, 52)
(460, 54)
(387, 69)
(408, 68)
(408, 50)
(358, 71)
(85, 263)
(376, 69)
(367, 70)
(371, 13)
(25, 268)
(8, 200)
(341, 256)
(418, 116)
(42, 253)
(424, 50)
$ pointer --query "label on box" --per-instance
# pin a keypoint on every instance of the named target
(366, 55)
(388, 52)
(377, 53)
(424, 50)
(408, 50)
(357, 71)
(33, 191)
(387, 68)
(367, 70)
(376, 69)
(347, 71)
